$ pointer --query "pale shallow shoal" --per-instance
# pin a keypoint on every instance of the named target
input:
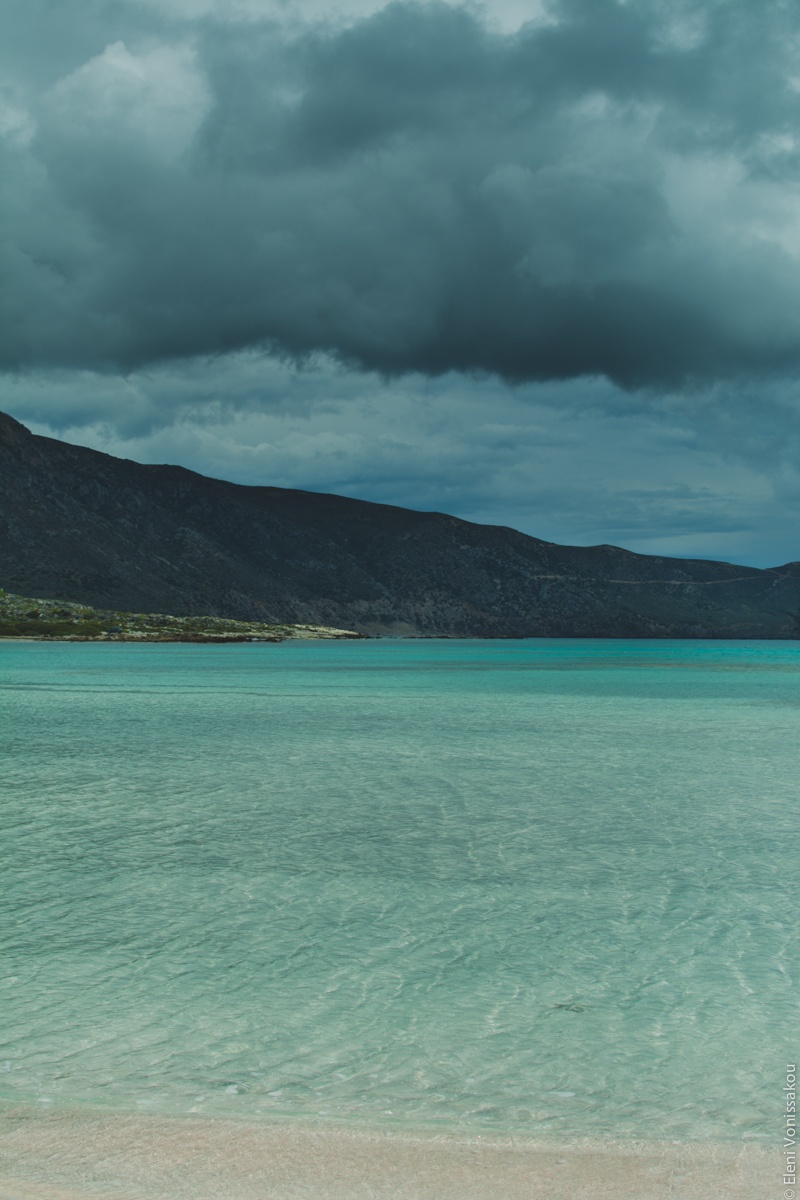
(64, 1155)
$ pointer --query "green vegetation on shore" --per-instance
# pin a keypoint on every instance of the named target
(60, 620)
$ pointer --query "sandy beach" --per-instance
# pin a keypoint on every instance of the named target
(60, 1155)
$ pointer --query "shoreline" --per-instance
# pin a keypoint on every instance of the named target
(60, 1154)
(295, 633)
(222, 640)
(29, 618)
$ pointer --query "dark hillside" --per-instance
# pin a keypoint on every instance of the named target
(84, 526)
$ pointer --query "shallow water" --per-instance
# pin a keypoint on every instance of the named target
(541, 887)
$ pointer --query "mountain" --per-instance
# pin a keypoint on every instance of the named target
(84, 526)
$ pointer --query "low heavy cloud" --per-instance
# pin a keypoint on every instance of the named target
(709, 474)
(610, 189)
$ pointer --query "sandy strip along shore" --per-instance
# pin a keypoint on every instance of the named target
(68, 1155)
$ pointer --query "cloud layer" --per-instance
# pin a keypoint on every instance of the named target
(534, 264)
(609, 190)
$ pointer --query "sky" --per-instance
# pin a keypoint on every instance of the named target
(534, 264)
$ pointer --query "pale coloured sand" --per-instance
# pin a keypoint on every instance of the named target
(59, 1155)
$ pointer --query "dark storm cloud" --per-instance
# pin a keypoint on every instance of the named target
(612, 191)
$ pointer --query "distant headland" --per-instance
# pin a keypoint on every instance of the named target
(26, 618)
(124, 537)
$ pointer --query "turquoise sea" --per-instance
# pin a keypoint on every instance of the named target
(531, 887)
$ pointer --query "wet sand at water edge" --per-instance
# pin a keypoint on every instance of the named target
(60, 1155)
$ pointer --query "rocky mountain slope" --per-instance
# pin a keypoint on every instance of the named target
(87, 527)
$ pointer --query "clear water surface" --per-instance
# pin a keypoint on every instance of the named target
(534, 887)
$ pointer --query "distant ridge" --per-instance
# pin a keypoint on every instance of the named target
(84, 526)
